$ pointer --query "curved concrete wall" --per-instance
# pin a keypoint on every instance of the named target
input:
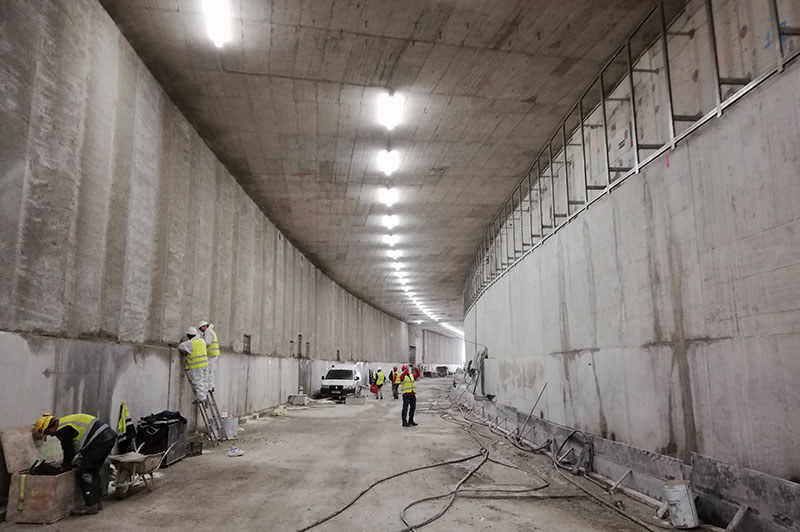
(118, 222)
(666, 315)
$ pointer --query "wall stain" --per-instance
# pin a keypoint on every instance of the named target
(592, 290)
(601, 411)
(653, 263)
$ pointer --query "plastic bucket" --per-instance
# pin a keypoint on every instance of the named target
(230, 426)
(679, 498)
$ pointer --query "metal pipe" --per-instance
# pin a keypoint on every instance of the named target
(583, 152)
(566, 165)
(667, 76)
(552, 186)
(605, 128)
(635, 132)
(776, 26)
(715, 55)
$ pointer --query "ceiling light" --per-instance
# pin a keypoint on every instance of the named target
(388, 196)
(391, 239)
(394, 253)
(390, 110)
(406, 288)
(218, 21)
(397, 265)
(389, 221)
(388, 161)
(417, 321)
(403, 280)
(400, 274)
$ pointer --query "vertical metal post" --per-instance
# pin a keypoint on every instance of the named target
(583, 153)
(521, 223)
(776, 19)
(667, 76)
(715, 55)
(605, 127)
(552, 185)
(635, 132)
(513, 226)
(539, 184)
(566, 167)
(530, 203)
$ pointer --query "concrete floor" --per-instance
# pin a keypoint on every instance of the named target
(302, 466)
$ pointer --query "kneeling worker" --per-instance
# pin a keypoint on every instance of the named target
(86, 441)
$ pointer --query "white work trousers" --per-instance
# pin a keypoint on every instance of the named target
(211, 372)
(197, 379)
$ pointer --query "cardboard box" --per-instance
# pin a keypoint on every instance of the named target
(46, 498)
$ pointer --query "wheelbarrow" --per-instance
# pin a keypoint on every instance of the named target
(134, 466)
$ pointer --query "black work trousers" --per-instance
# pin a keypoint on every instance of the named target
(88, 472)
(409, 406)
(395, 387)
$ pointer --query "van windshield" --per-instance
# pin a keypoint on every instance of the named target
(340, 374)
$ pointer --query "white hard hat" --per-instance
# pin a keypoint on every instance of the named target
(203, 323)
(191, 332)
(379, 369)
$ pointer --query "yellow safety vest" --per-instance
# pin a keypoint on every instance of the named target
(408, 386)
(379, 378)
(83, 423)
(198, 358)
(213, 349)
(396, 377)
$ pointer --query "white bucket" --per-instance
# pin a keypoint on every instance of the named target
(230, 426)
(682, 512)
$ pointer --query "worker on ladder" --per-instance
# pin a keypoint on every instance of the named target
(212, 348)
(86, 442)
(195, 362)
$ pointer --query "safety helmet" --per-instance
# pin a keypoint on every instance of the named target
(379, 369)
(404, 367)
(42, 424)
(203, 323)
(191, 332)
(395, 368)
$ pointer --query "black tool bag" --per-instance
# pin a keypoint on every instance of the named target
(157, 432)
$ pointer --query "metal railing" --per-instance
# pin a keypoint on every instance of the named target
(569, 174)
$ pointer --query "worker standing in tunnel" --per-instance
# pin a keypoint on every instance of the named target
(195, 362)
(86, 442)
(380, 378)
(212, 349)
(394, 377)
(409, 391)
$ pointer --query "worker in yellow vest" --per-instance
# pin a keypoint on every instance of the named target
(380, 378)
(409, 391)
(86, 442)
(212, 347)
(195, 362)
(394, 376)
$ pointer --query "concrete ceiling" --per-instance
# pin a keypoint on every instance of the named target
(289, 107)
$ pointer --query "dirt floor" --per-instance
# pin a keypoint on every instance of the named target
(302, 466)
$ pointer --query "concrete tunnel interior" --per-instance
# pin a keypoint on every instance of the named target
(579, 221)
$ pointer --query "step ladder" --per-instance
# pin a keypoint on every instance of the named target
(211, 418)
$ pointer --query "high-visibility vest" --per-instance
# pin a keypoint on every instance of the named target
(198, 358)
(213, 348)
(396, 377)
(88, 428)
(408, 386)
(379, 378)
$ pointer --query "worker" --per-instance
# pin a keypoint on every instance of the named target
(86, 442)
(212, 348)
(380, 378)
(409, 391)
(394, 378)
(195, 362)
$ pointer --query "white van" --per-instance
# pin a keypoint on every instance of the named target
(341, 380)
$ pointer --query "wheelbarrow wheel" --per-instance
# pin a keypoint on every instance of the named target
(122, 484)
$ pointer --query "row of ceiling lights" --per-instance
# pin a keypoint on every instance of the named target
(390, 114)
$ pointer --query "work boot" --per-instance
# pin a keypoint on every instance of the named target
(99, 505)
(406, 424)
(86, 510)
(411, 423)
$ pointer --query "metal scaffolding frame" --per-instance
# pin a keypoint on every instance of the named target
(494, 255)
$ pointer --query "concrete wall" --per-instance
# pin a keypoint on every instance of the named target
(666, 315)
(119, 223)
(441, 350)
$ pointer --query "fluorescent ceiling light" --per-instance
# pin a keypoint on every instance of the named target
(417, 321)
(452, 329)
(388, 196)
(406, 288)
(400, 274)
(389, 221)
(390, 110)
(388, 161)
(218, 21)
(391, 239)
(403, 280)
(397, 266)
(394, 253)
